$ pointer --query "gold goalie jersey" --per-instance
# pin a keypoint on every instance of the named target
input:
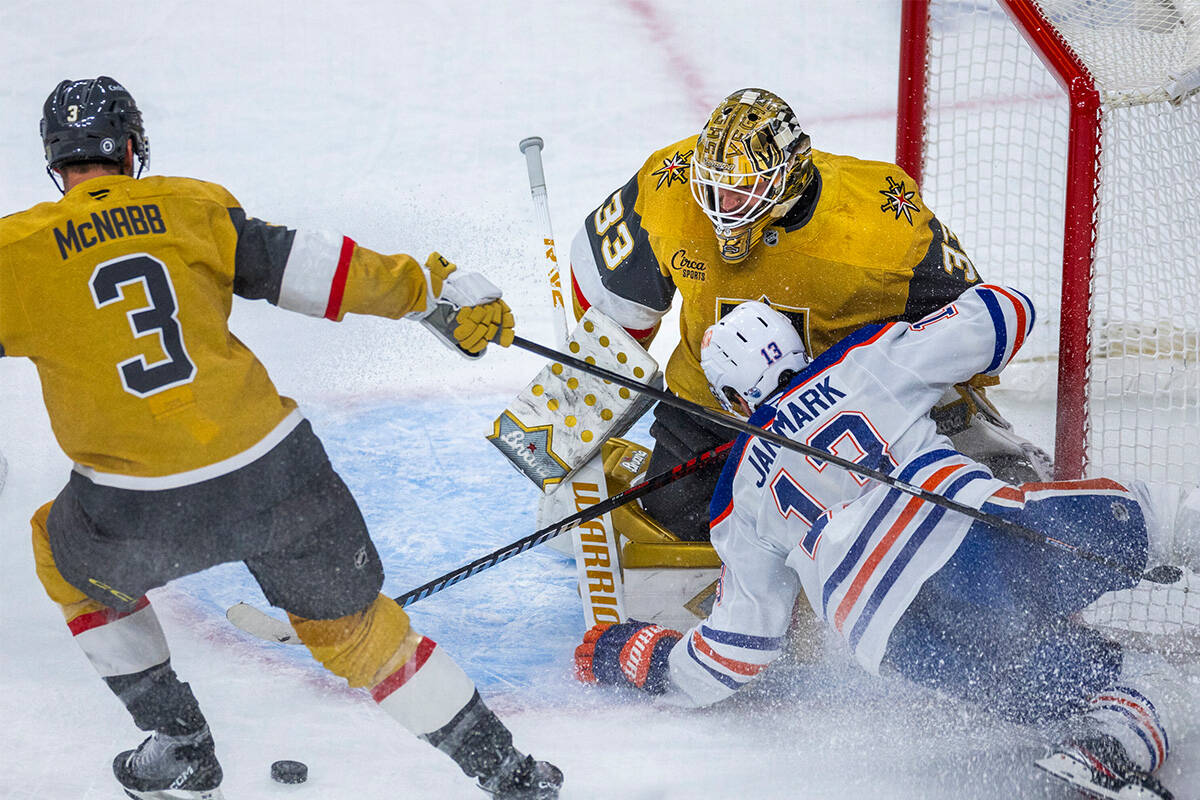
(859, 247)
(120, 294)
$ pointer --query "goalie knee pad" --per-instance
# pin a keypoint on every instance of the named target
(978, 430)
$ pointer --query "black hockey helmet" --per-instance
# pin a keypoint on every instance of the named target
(90, 120)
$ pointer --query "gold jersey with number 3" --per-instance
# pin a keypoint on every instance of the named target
(860, 247)
(120, 294)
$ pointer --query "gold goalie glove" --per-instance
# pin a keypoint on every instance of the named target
(464, 308)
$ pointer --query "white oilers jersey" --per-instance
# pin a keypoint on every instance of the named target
(783, 521)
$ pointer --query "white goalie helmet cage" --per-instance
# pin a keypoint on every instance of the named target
(751, 164)
(746, 353)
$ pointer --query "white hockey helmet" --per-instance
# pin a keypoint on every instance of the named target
(748, 353)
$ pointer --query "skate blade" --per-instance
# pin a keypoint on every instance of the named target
(1079, 775)
(177, 794)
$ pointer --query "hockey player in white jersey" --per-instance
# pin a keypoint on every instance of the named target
(912, 587)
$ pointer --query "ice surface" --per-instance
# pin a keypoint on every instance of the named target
(397, 124)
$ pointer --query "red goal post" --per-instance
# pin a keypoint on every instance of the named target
(1060, 139)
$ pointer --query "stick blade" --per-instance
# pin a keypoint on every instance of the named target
(261, 624)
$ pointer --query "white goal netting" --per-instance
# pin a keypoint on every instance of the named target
(997, 123)
(1002, 164)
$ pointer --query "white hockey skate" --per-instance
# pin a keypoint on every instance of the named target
(165, 767)
(1099, 767)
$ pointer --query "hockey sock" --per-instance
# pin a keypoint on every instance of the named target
(427, 692)
(127, 648)
(414, 681)
(158, 701)
(363, 648)
(1131, 718)
(476, 739)
(1149, 698)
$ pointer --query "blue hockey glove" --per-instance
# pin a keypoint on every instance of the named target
(629, 654)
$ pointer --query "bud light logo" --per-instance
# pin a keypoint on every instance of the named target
(529, 449)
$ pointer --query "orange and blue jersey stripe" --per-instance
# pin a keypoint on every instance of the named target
(724, 668)
(1012, 315)
(908, 532)
(1017, 496)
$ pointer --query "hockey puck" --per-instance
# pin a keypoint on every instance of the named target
(289, 771)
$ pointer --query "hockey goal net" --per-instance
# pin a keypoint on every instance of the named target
(1060, 139)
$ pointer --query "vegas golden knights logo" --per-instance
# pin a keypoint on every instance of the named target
(673, 170)
(797, 316)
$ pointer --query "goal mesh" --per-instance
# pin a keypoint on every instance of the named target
(994, 164)
(1060, 139)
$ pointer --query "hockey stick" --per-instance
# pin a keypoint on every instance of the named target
(258, 623)
(532, 148)
(605, 599)
(995, 521)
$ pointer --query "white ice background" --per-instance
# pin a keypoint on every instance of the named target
(397, 124)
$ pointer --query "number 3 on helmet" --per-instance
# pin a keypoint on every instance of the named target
(91, 120)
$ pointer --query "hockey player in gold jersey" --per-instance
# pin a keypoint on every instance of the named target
(749, 211)
(185, 455)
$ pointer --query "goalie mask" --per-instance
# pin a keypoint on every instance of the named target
(748, 354)
(91, 120)
(752, 163)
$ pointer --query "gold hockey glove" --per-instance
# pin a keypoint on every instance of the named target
(466, 310)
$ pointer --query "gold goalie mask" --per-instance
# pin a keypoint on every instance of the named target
(751, 165)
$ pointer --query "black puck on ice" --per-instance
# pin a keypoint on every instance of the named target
(289, 771)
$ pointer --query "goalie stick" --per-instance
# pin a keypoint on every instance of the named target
(1158, 575)
(532, 148)
(601, 583)
(257, 622)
